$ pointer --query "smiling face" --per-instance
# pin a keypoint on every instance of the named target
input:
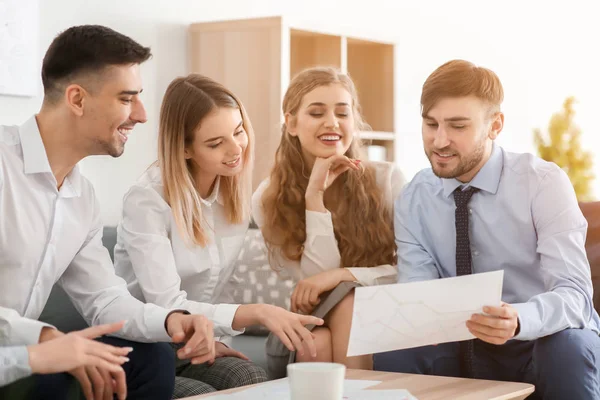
(324, 122)
(458, 135)
(112, 110)
(219, 145)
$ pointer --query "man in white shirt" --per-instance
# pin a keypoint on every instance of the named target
(50, 228)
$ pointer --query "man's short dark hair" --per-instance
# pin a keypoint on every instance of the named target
(87, 49)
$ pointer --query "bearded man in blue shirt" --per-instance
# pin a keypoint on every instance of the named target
(480, 208)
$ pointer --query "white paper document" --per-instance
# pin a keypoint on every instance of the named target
(280, 390)
(406, 315)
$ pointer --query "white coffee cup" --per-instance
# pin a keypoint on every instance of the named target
(316, 380)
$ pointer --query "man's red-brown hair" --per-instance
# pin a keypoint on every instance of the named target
(460, 78)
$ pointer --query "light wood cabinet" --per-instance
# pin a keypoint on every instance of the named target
(256, 58)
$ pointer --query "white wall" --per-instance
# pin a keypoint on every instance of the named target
(520, 41)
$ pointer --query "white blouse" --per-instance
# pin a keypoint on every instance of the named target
(160, 268)
(321, 252)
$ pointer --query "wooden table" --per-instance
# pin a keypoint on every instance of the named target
(425, 387)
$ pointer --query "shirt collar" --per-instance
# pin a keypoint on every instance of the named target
(35, 159)
(214, 195)
(487, 179)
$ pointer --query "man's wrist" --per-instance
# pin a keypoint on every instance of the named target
(33, 356)
(48, 333)
(185, 312)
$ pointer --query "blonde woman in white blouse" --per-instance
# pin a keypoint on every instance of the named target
(184, 224)
(326, 216)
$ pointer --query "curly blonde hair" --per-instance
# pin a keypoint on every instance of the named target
(362, 220)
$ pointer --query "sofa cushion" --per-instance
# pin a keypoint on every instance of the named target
(254, 281)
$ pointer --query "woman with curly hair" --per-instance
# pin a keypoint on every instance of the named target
(326, 216)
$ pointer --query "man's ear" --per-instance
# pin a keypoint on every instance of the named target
(497, 125)
(290, 124)
(75, 97)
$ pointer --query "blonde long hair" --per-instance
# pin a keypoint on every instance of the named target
(187, 101)
(361, 218)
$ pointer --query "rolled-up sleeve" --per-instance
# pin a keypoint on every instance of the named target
(379, 275)
(321, 252)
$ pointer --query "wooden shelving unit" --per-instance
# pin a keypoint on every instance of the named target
(256, 58)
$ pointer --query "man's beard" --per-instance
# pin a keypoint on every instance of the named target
(465, 164)
(112, 149)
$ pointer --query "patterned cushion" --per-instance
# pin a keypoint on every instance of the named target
(255, 282)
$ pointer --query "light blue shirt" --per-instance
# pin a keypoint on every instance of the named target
(524, 220)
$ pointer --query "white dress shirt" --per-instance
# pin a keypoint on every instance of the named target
(14, 364)
(48, 236)
(321, 252)
(161, 268)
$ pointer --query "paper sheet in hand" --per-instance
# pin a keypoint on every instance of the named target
(406, 315)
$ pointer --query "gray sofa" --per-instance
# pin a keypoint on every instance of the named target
(253, 282)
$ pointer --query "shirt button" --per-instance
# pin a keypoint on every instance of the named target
(475, 253)
(470, 211)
